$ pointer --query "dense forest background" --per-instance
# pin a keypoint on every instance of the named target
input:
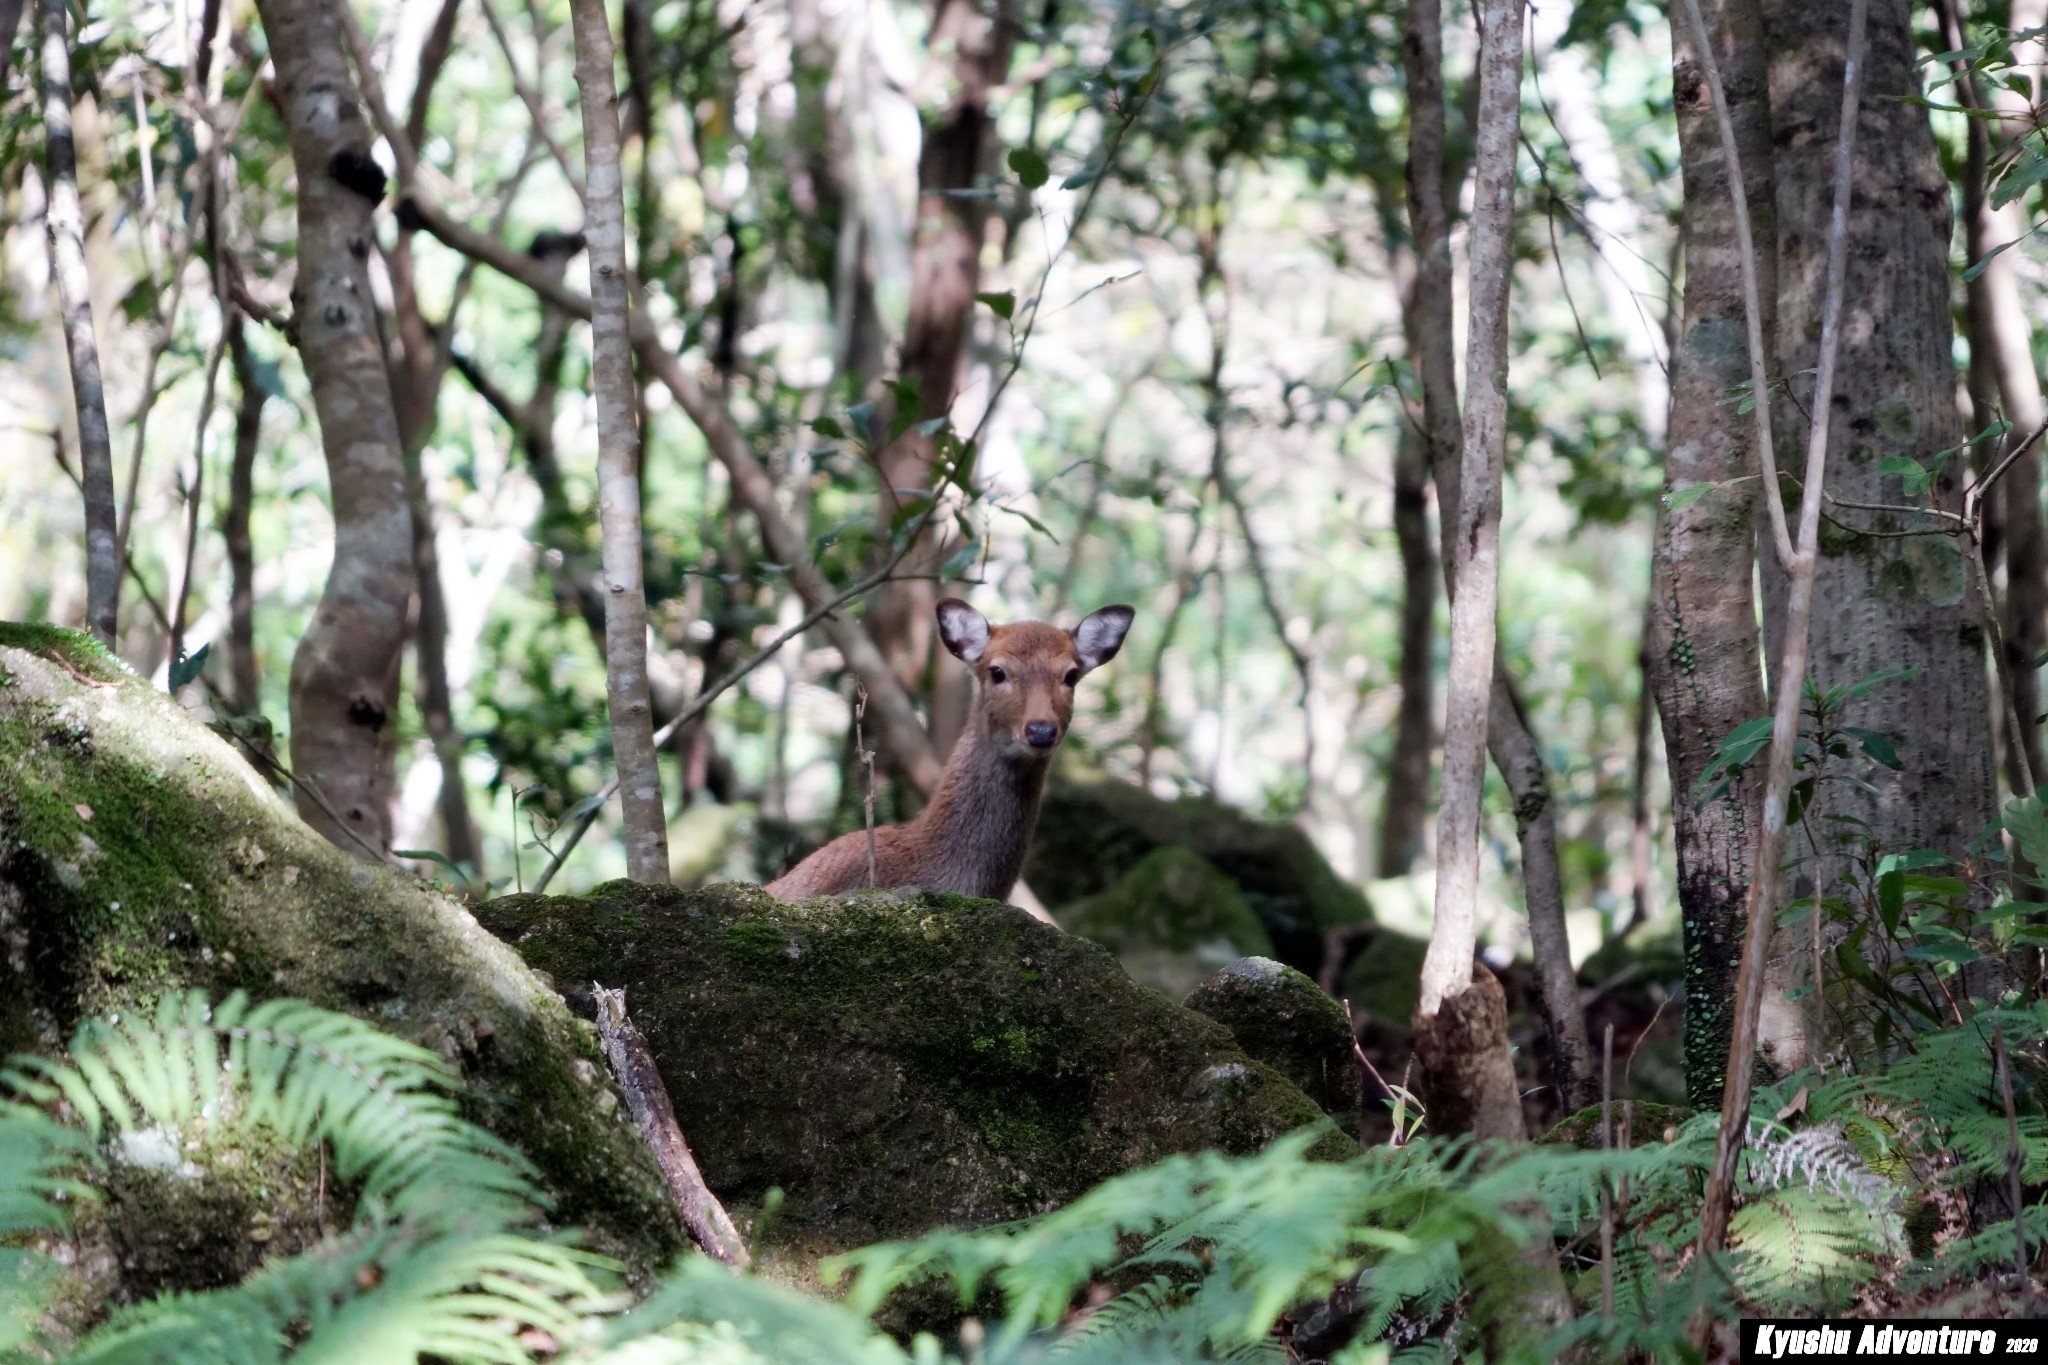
(1574, 468)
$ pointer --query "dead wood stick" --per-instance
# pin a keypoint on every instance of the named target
(625, 1051)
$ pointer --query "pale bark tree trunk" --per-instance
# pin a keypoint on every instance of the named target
(1459, 1057)
(611, 366)
(1703, 632)
(65, 225)
(244, 683)
(1892, 602)
(344, 684)
(1515, 752)
(973, 39)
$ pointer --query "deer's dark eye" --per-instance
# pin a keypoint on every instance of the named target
(1073, 676)
(996, 675)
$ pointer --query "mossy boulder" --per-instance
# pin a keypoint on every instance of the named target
(894, 1064)
(1636, 1122)
(140, 854)
(1283, 1019)
(1172, 920)
(1092, 833)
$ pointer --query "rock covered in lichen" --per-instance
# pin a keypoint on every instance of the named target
(898, 1063)
(1171, 920)
(1283, 1019)
(140, 854)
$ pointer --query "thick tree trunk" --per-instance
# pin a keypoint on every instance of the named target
(973, 38)
(65, 225)
(344, 686)
(1892, 602)
(611, 374)
(1515, 753)
(2001, 332)
(1703, 633)
(1406, 808)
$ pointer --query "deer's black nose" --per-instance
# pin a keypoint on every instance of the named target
(1041, 734)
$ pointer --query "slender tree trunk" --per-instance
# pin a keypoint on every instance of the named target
(244, 685)
(65, 223)
(1451, 1065)
(1515, 752)
(611, 366)
(974, 38)
(344, 686)
(1892, 602)
(1406, 807)
(1703, 632)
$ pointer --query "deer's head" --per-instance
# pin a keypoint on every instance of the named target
(1028, 671)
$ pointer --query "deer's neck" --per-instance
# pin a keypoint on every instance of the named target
(979, 822)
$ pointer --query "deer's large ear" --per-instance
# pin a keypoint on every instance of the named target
(1098, 638)
(963, 629)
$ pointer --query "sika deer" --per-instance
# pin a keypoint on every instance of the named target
(971, 838)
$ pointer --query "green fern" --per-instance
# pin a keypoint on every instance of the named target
(437, 1260)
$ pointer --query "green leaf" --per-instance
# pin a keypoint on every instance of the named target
(1030, 167)
(1891, 899)
(1003, 305)
(427, 855)
(829, 429)
(2027, 822)
(1082, 178)
(1978, 266)
(2028, 172)
(1680, 498)
(1877, 746)
(186, 667)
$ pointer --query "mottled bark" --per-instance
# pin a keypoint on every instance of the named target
(244, 682)
(1515, 753)
(972, 39)
(344, 684)
(1798, 559)
(618, 498)
(64, 223)
(1406, 806)
(1891, 602)
(1472, 542)
(1703, 632)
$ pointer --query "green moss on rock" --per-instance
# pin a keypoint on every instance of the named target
(1283, 1019)
(1640, 1121)
(140, 854)
(1091, 834)
(1172, 920)
(896, 1064)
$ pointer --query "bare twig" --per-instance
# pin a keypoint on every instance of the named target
(1799, 567)
(625, 1049)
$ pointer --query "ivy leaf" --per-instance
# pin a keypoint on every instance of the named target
(1030, 167)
